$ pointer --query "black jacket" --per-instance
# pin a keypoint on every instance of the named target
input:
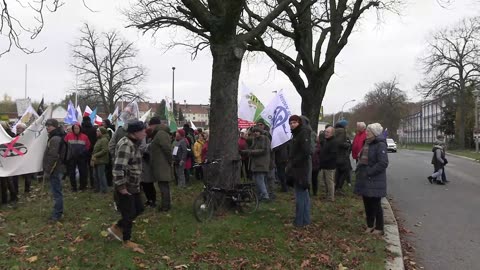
(328, 155)
(91, 133)
(299, 163)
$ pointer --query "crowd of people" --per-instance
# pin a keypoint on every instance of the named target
(138, 156)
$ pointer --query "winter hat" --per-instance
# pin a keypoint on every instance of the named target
(103, 130)
(375, 128)
(296, 118)
(181, 132)
(154, 121)
(342, 123)
(135, 126)
(52, 122)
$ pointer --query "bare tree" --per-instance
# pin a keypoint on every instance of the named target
(318, 30)
(451, 65)
(212, 24)
(24, 18)
(106, 68)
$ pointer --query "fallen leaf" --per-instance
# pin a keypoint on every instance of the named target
(145, 220)
(77, 240)
(104, 233)
(341, 267)
(32, 259)
(19, 250)
(305, 263)
(166, 258)
(139, 250)
(54, 268)
(182, 266)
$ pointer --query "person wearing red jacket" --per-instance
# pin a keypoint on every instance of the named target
(359, 140)
(78, 155)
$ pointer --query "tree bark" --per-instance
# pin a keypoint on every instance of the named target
(223, 142)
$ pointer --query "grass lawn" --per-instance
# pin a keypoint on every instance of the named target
(428, 147)
(262, 240)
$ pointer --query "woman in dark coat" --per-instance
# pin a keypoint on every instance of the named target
(299, 169)
(371, 177)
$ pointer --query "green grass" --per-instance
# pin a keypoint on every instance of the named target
(262, 240)
(428, 147)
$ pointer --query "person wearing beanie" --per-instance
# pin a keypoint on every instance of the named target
(371, 177)
(343, 167)
(299, 169)
(91, 133)
(259, 157)
(53, 167)
(127, 171)
(79, 155)
(180, 157)
(100, 159)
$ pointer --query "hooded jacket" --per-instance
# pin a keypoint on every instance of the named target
(79, 145)
(161, 158)
(52, 161)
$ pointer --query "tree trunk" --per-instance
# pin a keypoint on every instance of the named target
(461, 123)
(312, 97)
(223, 118)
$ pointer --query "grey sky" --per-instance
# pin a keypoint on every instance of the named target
(376, 52)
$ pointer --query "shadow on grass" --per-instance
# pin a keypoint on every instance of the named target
(262, 240)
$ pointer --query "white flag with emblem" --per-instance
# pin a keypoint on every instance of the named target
(277, 113)
(24, 153)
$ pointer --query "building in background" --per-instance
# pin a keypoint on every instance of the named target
(197, 113)
(420, 127)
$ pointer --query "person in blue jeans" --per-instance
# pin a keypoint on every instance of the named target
(53, 166)
(299, 170)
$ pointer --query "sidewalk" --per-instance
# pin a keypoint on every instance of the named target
(392, 237)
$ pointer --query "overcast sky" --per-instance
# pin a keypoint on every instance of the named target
(375, 52)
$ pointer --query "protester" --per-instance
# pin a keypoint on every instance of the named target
(328, 161)
(359, 140)
(161, 161)
(281, 160)
(147, 181)
(316, 166)
(299, 169)
(438, 161)
(78, 156)
(100, 159)
(259, 154)
(53, 166)
(205, 146)
(91, 132)
(343, 155)
(371, 177)
(271, 173)
(127, 168)
(197, 153)
(180, 157)
(243, 145)
(108, 168)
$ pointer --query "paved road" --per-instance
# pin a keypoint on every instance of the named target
(447, 235)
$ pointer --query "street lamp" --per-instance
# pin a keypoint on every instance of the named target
(341, 112)
(173, 91)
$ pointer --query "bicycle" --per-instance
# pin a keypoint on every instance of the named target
(242, 196)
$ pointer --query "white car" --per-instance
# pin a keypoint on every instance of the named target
(391, 145)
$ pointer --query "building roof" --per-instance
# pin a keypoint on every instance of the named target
(194, 108)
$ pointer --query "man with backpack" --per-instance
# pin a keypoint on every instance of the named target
(53, 166)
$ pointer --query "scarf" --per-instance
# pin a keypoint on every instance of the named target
(364, 154)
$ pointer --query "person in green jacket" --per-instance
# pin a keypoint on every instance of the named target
(100, 159)
(161, 161)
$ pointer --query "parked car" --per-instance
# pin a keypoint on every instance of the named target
(391, 145)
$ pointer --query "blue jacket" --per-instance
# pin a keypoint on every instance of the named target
(371, 180)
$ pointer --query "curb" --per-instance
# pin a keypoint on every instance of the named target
(453, 155)
(392, 237)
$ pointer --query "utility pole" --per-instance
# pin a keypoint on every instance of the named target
(173, 93)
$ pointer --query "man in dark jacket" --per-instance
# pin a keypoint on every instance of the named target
(91, 133)
(180, 157)
(53, 166)
(343, 155)
(161, 161)
(299, 169)
(259, 154)
(328, 162)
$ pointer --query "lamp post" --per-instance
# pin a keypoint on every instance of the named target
(173, 92)
(341, 112)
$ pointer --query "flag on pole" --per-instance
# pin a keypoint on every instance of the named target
(250, 106)
(79, 114)
(40, 108)
(130, 112)
(192, 125)
(172, 123)
(28, 117)
(93, 115)
(145, 116)
(276, 114)
(24, 154)
(71, 117)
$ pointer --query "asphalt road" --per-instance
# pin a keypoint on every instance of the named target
(444, 220)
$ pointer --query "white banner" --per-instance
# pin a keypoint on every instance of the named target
(277, 114)
(24, 153)
(4, 137)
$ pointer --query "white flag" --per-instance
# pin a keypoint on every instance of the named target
(192, 125)
(277, 113)
(28, 117)
(24, 153)
(145, 116)
(79, 114)
(246, 108)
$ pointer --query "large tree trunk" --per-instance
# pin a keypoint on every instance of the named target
(461, 123)
(223, 142)
(312, 96)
